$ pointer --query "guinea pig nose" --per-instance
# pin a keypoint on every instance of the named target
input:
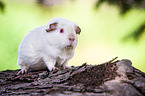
(71, 39)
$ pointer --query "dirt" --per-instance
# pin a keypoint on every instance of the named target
(94, 76)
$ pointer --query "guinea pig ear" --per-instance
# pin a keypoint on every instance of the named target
(51, 27)
(78, 30)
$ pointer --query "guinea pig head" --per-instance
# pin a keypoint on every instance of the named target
(72, 38)
(63, 34)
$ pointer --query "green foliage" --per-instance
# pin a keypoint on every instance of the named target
(2, 5)
(125, 6)
(137, 33)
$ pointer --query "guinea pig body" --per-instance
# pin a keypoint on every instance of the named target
(48, 46)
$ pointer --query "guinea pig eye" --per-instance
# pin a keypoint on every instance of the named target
(61, 30)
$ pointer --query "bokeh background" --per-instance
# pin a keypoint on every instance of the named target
(109, 28)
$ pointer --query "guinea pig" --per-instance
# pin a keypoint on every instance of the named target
(48, 46)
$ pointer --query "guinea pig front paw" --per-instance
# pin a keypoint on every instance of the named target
(66, 67)
(23, 71)
(55, 68)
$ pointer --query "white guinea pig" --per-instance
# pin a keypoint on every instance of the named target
(48, 46)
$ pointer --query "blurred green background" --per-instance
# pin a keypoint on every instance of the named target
(106, 32)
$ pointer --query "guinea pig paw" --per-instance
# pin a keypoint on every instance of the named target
(23, 71)
(66, 67)
(55, 68)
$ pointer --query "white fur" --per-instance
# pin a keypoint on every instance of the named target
(40, 49)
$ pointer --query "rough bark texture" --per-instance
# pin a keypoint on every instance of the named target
(116, 78)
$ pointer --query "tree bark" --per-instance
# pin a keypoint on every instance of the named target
(113, 78)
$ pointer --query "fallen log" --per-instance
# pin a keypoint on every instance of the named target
(112, 78)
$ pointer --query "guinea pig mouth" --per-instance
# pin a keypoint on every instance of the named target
(69, 46)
